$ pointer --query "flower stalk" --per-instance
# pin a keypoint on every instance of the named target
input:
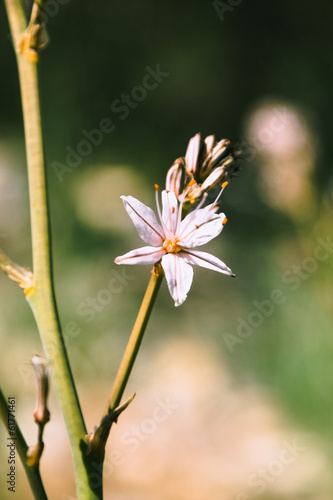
(41, 296)
(112, 411)
(136, 337)
(172, 241)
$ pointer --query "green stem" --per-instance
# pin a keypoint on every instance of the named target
(41, 298)
(113, 410)
(134, 342)
(32, 473)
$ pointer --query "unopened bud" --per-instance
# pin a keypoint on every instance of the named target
(174, 176)
(192, 154)
(41, 413)
(209, 164)
(214, 178)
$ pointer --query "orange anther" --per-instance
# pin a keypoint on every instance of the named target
(192, 182)
(157, 187)
(225, 184)
(173, 210)
(225, 220)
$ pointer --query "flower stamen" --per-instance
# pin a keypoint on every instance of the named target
(181, 203)
(171, 246)
(224, 185)
(157, 188)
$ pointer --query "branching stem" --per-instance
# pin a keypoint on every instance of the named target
(41, 297)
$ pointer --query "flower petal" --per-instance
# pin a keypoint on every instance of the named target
(200, 226)
(169, 210)
(179, 276)
(144, 255)
(144, 220)
(200, 234)
(204, 259)
(194, 218)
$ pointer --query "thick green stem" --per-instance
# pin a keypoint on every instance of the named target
(41, 297)
(21, 446)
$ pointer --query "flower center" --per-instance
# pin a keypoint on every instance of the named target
(171, 246)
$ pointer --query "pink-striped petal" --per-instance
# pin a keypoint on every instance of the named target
(169, 210)
(204, 259)
(144, 220)
(198, 216)
(144, 255)
(200, 234)
(179, 276)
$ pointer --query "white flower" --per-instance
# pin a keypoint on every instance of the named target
(172, 240)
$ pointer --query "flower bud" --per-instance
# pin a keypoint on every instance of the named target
(192, 154)
(41, 413)
(208, 163)
(174, 176)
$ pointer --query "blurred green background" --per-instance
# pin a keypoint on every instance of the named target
(259, 73)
